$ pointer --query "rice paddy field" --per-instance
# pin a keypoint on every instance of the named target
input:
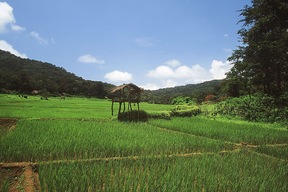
(76, 145)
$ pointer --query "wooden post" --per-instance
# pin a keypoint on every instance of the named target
(138, 110)
(124, 107)
(119, 111)
(112, 107)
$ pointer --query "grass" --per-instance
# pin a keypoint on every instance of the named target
(79, 146)
(45, 140)
(229, 131)
(275, 151)
(242, 171)
(14, 106)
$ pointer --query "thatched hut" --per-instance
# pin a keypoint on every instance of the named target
(126, 93)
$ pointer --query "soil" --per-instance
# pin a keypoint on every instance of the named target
(7, 124)
(18, 176)
(23, 177)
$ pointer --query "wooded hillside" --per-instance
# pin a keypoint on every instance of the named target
(25, 76)
(196, 92)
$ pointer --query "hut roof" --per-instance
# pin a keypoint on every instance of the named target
(131, 87)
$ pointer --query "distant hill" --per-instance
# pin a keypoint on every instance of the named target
(20, 75)
(196, 91)
(24, 76)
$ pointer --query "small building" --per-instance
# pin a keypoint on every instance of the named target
(126, 93)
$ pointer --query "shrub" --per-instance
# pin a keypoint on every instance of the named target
(258, 107)
(160, 115)
(133, 116)
(185, 111)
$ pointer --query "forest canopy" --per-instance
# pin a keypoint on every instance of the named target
(25, 76)
(261, 63)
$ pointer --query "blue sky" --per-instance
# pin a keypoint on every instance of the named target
(152, 43)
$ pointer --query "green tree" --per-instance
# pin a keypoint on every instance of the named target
(261, 64)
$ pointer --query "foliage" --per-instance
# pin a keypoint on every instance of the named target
(260, 71)
(196, 93)
(279, 151)
(236, 132)
(185, 111)
(72, 107)
(79, 147)
(160, 115)
(64, 139)
(243, 171)
(261, 64)
(182, 101)
(133, 116)
(258, 107)
(25, 75)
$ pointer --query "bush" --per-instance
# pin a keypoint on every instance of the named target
(133, 116)
(185, 113)
(160, 115)
(258, 107)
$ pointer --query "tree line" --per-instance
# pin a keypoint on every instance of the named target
(261, 62)
(25, 76)
(260, 66)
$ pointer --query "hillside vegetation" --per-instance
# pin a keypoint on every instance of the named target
(24, 76)
(76, 145)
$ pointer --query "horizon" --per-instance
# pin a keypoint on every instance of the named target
(108, 82)
(154, 44)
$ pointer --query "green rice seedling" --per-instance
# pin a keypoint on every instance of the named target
(242, 171)
(46, 140)
(274, 151)
(228, 131)
(71, 107)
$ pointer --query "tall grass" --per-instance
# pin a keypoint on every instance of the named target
(235, 132)
(78, 145)
(275, 151)
(45, 140)
(242, 171)
(71, 107)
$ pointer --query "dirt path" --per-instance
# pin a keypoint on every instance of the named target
(31, 179)
(241, 144)
(26, 179)
(28, 164)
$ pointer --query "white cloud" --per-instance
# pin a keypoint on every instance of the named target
(173, 63)
(90, 59)
(7, 18)
(7, 47)
(161, 72)
(17, 28)
(118, 76)
(181, 75)
(218, 69)
(193, 74)
(164, 84)
(38, 38)
(169, 83)
(150, 86)
(226, 35)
